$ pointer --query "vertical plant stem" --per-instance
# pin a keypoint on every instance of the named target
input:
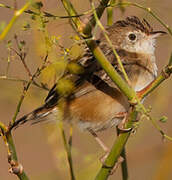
(109, 16)
(16, 168)
(124, 167)
(110, 13)
(67, 145)
(116, 150)
(70, 154)
(68, 151)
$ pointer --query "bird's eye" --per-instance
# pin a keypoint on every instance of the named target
(132, 37)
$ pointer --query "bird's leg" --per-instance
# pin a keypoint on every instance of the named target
(122, 123)
(119, 161)
(106, 149)
(102, 145)
(99, 141)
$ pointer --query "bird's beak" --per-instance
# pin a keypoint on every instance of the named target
(155, 34)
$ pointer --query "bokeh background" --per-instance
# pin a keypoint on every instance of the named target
(40, 148)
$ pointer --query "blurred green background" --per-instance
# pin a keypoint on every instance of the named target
(40, 147)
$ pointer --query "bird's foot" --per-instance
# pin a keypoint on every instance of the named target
(121, 126)
(103, 158)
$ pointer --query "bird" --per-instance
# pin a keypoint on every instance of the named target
(96, 103)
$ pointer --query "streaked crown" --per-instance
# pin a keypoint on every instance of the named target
(133, 35)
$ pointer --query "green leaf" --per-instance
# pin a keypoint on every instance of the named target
(163, 119)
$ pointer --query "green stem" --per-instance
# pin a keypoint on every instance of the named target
(110, 13)
(110, 44)
(71, 11)
(67, 145)
(70, 155)
(109, 16)
(116, 150)
(163, 76)
(23, 81)
(86, 30)
(124, 168)
(47, 14)
(124, 165)
(11, 146)
(25, 89)
(13, 20)
(145, 9)
(12, 155)
(21, 100)
(107, 66)
(68, 151)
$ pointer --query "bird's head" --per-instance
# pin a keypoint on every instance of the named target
(134, 35)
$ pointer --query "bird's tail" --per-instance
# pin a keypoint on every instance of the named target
(38, 115)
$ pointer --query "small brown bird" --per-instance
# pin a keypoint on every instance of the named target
(97, 104)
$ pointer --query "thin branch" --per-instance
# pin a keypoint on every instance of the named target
(153, 14)
(26, 87)
(110, 43)
(6, 6)
(13, 20)
(67, 145)
(22, 57)
(110, 13)
(146, 112)
(68, 150)
(16, 168)
(47, 14)
(70, 153)
(86, 29)
(72, 12)
(165, 74)
(23, 81)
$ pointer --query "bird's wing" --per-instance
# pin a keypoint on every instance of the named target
(94, 78)
(93, 74)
